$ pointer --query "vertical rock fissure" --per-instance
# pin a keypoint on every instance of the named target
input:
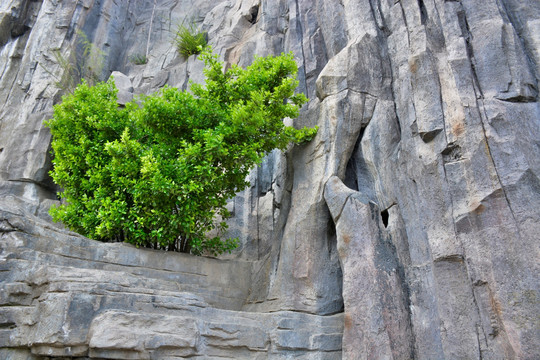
(300, 34)
(331, 237)
(479, 96)
(282, 219)
(12, 86)
(150, 30)
(74, 21)
(382, 34)
(258, 221)
(467, 37)
(388, 262)
(404, 18)
(443, 164)
(518, 23)
(479, 328)
(351, 175)
(423, 12)
(408, 303)
(377, 14)
(483, 115)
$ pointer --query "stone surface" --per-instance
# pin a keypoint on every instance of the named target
(377, 322)
(63, 295)
(429, 122)
(123, 84)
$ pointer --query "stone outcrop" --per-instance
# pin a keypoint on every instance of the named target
(408, 228)
(67, 296)
(376, 319)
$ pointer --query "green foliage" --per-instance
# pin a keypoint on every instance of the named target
(188, 40)
(86, 65)
(156, 174)
(138, 59)
(90, 63)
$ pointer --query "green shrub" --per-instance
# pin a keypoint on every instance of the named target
(158, 173)
(86, 64)
(188, 40)
(138, 59)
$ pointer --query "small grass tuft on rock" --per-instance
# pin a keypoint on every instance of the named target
(138, 59)
(189, 40)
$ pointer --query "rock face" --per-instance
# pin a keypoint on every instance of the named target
(67, 296)
(408, 228)
(376, 318)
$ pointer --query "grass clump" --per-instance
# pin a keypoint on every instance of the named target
(138, 59)
(86, 63)
(189, 40)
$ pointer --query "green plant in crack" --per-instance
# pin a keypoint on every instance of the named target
(189, 40)
(86, 64)
(138, 59)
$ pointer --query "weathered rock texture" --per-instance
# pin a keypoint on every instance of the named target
(67, 296)
(376, 317)
(408, 228)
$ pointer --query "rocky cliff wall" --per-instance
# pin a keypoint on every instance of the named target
(408, 228)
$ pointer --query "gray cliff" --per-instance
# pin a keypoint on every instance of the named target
(409, 228)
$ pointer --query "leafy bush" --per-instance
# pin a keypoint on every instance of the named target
(157, 174)
(188, 40)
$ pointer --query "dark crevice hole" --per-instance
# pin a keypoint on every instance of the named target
(423, 12)
(331, 236)
(351, 179)
(452, 152)
(385, 216)
(253, 12)
(351, 171)
(19, 30)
